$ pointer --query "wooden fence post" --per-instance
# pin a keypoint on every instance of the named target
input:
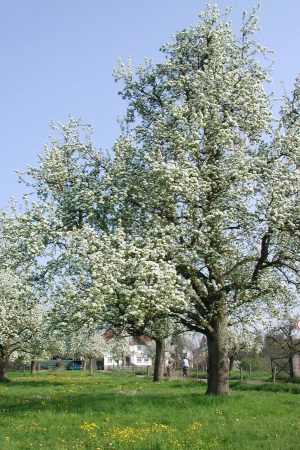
(274, 374)
(291, 367)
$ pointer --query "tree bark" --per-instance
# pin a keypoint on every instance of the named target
(159, 363)
(218, 367)
(3, 363)
(32, 367)
(231, 362)
(91, 366)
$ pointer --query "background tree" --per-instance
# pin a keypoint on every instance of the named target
(185, 344)
(119, 348)
(21, 300)
(19, 317)
(86, 344)
(68, 179)
(40, 345)
(283, 339)
(111, 281)
(96, 273)
(242, 339)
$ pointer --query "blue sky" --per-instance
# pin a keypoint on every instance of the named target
(57, 58)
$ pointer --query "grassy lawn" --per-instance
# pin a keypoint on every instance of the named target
(72, 410)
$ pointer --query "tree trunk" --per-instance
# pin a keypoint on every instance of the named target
(218, 368)
(32, 367)
(91, 366)
(159, 363)
(231, 362)
(3, 363)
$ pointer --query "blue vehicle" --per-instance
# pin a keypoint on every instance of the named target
(74, 366)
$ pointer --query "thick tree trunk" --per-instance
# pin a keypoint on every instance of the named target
(218, 367)
(3, 363)
(159, 363)
(3, 370)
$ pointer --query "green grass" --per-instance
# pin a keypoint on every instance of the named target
(255, 375)
(72, 410)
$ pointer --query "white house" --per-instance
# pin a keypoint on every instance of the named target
(141, 352)
(129, 352)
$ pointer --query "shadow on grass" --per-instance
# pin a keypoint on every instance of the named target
(47, 379)
(129, 402)
(33, 383)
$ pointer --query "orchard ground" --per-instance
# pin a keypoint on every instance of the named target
(73, 410)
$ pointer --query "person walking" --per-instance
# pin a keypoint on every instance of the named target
(185, 366)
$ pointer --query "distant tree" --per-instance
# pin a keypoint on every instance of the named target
(186, 344)
(21, 302)
(40, 345)
(242, 339)
(19, 318)
(119, 348)
(86, 344)
(283, 339)
(94, 271)
(112, 281)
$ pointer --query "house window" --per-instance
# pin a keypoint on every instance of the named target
(146, 358)
(139, 359)
(139, 348)
(109, 359)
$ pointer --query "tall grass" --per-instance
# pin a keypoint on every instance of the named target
(72, 410)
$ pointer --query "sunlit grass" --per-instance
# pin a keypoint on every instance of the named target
(72, 410)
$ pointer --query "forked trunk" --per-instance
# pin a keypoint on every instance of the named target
(218, 367)
(159, 363)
